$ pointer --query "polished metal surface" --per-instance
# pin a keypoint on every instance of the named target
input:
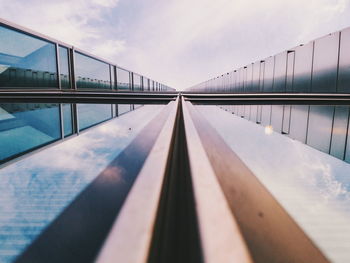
(266, 227)
(311, 185)
(339, 135)
(277, 117)
(256, 77)
(299, 122)
(279, 84)
(344, 62)
(325, 64)
(269, 74)
(290, 71)
(320, 66)
(303, 68)
(320, 127)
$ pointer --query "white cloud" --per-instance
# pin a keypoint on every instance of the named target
(109, 48)
(74, 22)
(181, 42)
(106, 3)
(192, 41)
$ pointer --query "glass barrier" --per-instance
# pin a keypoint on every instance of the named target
(323, 127)
(124, 108)
(26, 61)
(67, 119)
(137, 82)
(123, 79)
(320, 66)
(113, 83)
(64, 68)
(92, 114)
(26, 126)
(91, 73)
(35, 191)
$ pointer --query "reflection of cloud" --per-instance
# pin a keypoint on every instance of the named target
(74, 22)
(312, 186)
(33, 191)
(109, 48)
(106, 3)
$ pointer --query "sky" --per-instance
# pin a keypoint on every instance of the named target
(180, 42)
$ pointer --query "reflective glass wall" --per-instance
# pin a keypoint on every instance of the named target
(321, 66)
(323, 127)
(26, 61)
(32, 61)
(91, 73)
(137, 82)
(25, 127)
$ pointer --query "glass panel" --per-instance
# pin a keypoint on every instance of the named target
(279, 83)
(92, 114)
(298, 122)
(67, 119)
(123, 108)
(245, 75)
(240, 80)
(261, 76)
(325, 66)
(146, 83)
(25, 126)
(235, 81)
(256, 76)
(320, 127)
(123, 80)
(266, 115)
(340, 126)
(302, 68)
(64, 68)
(137, 82)
(112, 69)
(344, 62)
(268, 74)
(36, 189)
(276, 118)
(253, 113)
(26, 61)
(286, 118)
(91, 73)
(249, 78)
(247, 112)
(290, 71)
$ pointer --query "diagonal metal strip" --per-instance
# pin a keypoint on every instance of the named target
(130, 238)
(220, 236)
(77, 234)
(270, 233)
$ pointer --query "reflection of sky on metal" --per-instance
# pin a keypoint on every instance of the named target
(312, 186)
(35, 190)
